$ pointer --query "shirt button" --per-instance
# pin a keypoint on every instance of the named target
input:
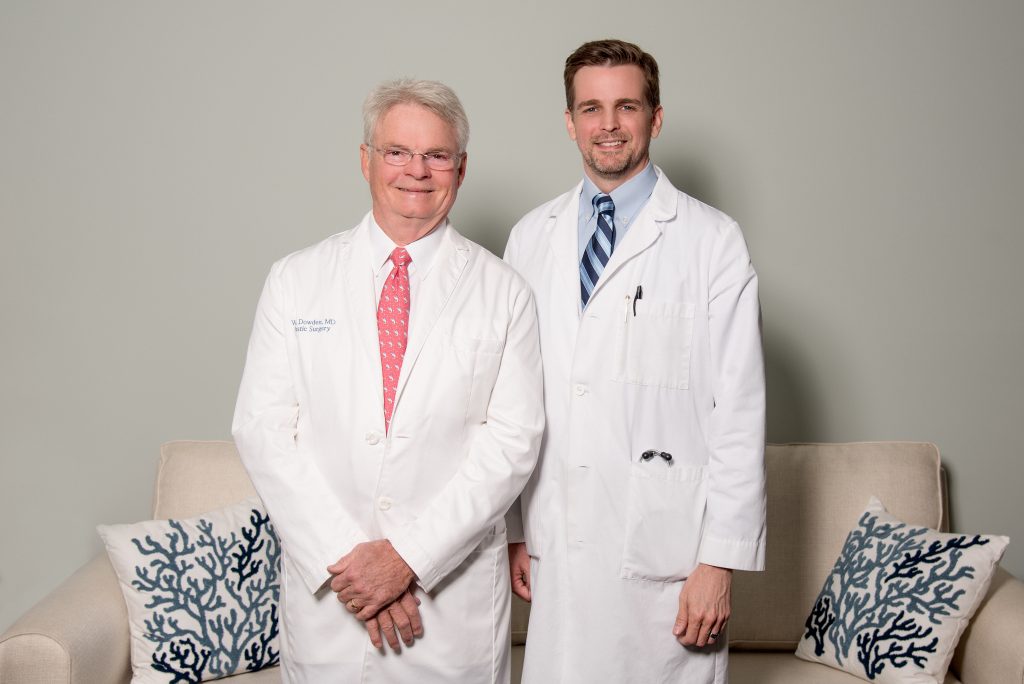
(372, 438)
(580, 390)
(384, 503)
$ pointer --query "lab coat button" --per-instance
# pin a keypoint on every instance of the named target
(581, 390)
(372, 438)
(384, 503)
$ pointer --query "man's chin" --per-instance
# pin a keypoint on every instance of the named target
(610, 171)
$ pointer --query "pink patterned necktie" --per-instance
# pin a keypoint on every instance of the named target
(393, 327)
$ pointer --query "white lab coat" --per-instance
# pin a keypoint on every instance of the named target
(464, 437)
(677, 370)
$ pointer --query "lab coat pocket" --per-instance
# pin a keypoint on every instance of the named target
(654, 343)
(664, 515)
(475, 335)
(479, 358)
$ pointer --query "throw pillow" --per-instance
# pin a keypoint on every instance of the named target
(898, 599)
(202, 593)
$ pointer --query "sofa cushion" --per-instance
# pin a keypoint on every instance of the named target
(894, 606)
(786, 668)
(816, 492)
(195, 476)
(202, 593)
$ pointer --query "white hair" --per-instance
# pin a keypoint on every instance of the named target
(435, 96)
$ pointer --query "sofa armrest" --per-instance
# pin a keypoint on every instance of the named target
(77, 634)
(992, 647)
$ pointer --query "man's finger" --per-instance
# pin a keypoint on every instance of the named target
(679, 628)
(338, 566)
(519, 570)
(521, 587)
(369, 610)
(373, 627)
(716, 633)
(410, 603)
(387, 626)
(691, 637)
(702, 627)
(402, 622)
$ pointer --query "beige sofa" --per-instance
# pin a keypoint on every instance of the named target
(816, 492)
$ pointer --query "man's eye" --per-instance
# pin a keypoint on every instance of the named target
(630, 108)
(395, 154)
(440, 156)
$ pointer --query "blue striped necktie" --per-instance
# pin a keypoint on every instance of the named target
(599, 249)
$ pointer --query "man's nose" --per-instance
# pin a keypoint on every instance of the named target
(417, 167)
(610, 120)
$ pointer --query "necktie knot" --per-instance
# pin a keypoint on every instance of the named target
(604, 204)
(400, 257)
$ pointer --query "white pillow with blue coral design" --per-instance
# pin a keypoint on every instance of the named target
(898, 599)
(202, 593)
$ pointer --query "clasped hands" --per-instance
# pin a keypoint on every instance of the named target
(376, 585)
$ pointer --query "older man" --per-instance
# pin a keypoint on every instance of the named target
(650, 488)
(389, 413)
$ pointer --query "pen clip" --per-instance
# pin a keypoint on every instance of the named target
(637, 297)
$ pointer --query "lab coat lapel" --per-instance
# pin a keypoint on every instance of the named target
(562, 230)
(646, 229)
(362, 303)
(431, 298)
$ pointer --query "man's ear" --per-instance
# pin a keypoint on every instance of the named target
(656, 121)
(462, 169)
(570, 127)
(364, 160)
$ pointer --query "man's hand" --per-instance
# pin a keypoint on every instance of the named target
(404, 616)
(704, 606)
(519, 570)
(369, 577)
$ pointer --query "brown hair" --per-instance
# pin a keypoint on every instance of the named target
(612, 52)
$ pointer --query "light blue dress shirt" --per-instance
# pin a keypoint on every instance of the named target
(629, 198)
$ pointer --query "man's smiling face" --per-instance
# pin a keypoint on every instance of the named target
(612, 123)
(411, 197)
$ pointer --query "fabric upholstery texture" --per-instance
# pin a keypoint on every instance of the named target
(985, 654)
(83, 622)
(195, 477)
(785, 668)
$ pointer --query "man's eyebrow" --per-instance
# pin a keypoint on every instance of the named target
(620, 101)
(406, 148)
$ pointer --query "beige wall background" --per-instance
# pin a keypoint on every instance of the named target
(156, 157)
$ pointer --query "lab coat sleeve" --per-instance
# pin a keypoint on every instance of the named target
(514, 529)
(500, 460)
(312, 524)
(734, 532)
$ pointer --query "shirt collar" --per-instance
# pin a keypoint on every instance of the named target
(421, 251)
(629, 197)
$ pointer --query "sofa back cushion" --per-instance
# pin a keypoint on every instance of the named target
(195, 477)
(816, 493)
